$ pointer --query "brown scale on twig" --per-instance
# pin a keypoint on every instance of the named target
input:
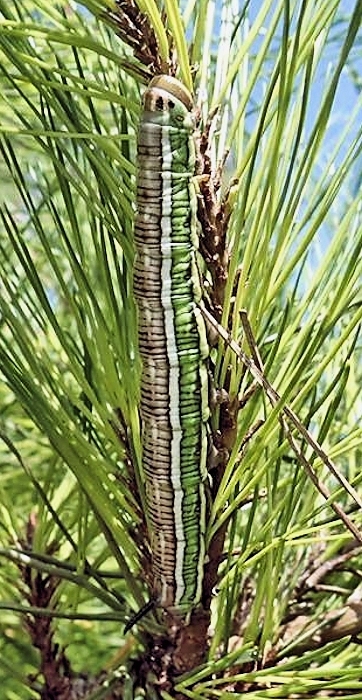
(213, 219)
(135, 29)
(214, 215)
(55, 678)
(39, 590)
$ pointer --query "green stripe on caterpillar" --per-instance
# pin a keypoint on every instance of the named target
(173, 345)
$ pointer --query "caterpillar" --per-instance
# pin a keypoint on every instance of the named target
(173, 345)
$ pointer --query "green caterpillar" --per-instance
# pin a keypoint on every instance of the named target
(173, 345)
